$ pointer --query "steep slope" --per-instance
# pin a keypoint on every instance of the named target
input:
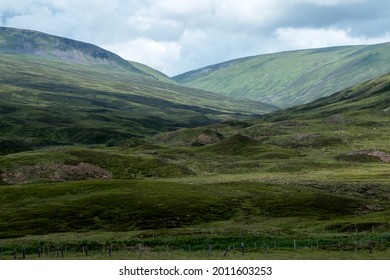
(54, 89)
(292, 78)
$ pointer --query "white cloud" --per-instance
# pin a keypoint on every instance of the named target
(159, 55)
(178, 8)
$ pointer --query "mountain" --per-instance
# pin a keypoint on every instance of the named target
(54, 89)
(29, 42)
(295, 77)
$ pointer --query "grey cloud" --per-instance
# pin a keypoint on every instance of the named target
(360, 17)
(205, 31)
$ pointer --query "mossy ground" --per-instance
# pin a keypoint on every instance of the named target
(261, 182)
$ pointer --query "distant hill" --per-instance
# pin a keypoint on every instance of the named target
(291, 78)
(57, 90)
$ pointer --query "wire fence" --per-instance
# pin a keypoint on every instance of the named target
(223, 248)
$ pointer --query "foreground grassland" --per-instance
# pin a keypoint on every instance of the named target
(256, 186)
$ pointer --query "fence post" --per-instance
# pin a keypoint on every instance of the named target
(39, 252)
(295, 246)
(139, 250)
(341, 246)
(110, 251)
(209, 250)
(242, 247)
(14, 253)
(227, 250)
(24, 253)
(85, 250)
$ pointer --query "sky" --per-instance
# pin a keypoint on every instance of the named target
(175, 36)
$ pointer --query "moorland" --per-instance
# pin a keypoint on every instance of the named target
(103, 158)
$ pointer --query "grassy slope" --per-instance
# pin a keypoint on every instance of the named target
(270, 180)
(371, 95)
(291, 78)
(58, 90)
(153, 72)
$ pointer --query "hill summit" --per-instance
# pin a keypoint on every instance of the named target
(29, 42)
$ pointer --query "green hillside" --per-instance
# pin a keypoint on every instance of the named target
(153, 72)
(295, 77)
(315, 176)
(56, 90)
(373, 95)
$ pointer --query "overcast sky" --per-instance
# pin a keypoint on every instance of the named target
(175, 36)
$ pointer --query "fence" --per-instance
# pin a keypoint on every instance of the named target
(237, 248)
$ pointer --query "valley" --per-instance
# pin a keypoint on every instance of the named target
(108, 162)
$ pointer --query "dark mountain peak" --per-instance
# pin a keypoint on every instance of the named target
(29, 42)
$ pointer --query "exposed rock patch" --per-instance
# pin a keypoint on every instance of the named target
(382, 156)
(54, 173)
(209, 137)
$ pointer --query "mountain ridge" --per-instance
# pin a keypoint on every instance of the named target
(30, 42)
(290, 78)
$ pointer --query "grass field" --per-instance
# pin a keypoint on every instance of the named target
(260, 183)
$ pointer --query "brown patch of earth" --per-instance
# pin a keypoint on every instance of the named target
(383, 156)
(54, 173)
